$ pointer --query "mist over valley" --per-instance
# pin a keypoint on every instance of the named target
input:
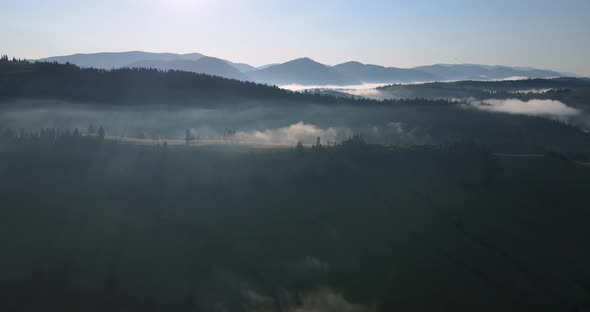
(310, 157)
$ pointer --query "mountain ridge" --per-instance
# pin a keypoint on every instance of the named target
(369, 73)
(306, 71)
(205, 65)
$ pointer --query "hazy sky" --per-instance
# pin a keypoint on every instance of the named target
(542, 33)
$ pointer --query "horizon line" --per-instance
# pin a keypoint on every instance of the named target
(304, 57)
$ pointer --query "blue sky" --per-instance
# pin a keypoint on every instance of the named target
(539, 33)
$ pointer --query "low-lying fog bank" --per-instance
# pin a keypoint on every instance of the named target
(548, 108)
(260, 125)
(351, 88)
(502, 125)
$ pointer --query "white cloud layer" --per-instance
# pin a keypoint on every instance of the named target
(300, 131)
(549, 108)
(320, 300)
(346, 89)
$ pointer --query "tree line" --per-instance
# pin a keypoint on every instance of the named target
(136, 86)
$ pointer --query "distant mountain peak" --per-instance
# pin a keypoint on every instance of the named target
(356, 63)
(304, 60)
(369, 73)
(303, 70)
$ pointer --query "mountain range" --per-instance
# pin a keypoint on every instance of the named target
(302, 71)
(207, 65)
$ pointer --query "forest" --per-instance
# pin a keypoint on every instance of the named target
(352, 227)
(294, 156)
(140, 103)
(147, 190)
(132, 86)
(566, 89)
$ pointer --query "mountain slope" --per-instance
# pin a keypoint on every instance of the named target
(484, 72)
(129, 86)
(109, 60)
(205, 65)
(379, 74)
(242, 67)
(304, 71)
(266, 66)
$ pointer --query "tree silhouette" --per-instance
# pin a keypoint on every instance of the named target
(299, 146)
(101, 132)
(91, 130)
(188, 136)
(317, 144)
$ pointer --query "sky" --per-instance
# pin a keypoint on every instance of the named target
(539, 33)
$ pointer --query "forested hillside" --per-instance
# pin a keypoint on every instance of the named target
(94, 224)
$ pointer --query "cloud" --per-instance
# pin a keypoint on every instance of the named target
(514, 78)
(368, 90)
(347, 89)
(321, 300)
(326, 300)
(257, 300)
(395, 132)
(306, 133)
(389, 133)
(548, 108)
(313, 264)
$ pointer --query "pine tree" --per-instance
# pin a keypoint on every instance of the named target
(187, 136)
(318, 143)
(101, 132)
(91, 130)
(299, 146)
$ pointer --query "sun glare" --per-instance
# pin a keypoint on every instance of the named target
(182, 4)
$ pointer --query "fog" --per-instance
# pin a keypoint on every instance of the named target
(278, 123)
(271, 230)
(548, 108)
(367, 90)
(264, 124)
(293, 133)
(320, 300)
(347, 89)
(513, 78)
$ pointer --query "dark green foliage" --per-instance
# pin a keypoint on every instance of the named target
(90, 224)
(562, 84)
(101, 132)
(356, 141)
(299, 147)
(21, 79)
(573, 91)
(131, 86)
(424, 121)
(91, 130)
